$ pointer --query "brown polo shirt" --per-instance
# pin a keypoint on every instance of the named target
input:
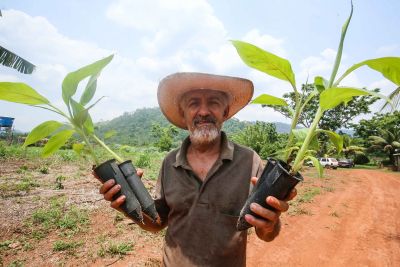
(202, 216)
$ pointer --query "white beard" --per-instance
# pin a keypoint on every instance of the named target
(204, 135)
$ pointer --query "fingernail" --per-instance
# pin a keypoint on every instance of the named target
(112, 182)
(253, 206)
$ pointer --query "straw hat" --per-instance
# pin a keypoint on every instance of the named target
(173, 87)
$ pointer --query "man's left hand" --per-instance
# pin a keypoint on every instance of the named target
(268, 227)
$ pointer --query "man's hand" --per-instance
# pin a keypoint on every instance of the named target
(110, 188)
(268, 227)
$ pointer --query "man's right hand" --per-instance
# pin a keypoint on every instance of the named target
(110, 188)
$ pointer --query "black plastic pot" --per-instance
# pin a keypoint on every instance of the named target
(143, 196)
(110, 170)
(274, 181)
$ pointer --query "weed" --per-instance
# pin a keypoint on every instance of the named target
(334, 214)
(308, 195)
(22, 169)
(44, 169)
(299, 211)
(119, 249)
(57, 216)
(329, 189)
(4, 244)
(26, 184)
(143, 161)
(118, 218)
(59, 184)
(16, 263)
(60, 245)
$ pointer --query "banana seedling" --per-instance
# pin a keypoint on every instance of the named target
(79, 121)
(281, 176)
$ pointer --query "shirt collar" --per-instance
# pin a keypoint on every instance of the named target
(227, 148)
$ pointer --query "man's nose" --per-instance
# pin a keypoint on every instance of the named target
(204, 110)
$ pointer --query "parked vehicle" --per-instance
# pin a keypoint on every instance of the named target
(346, 163)
(325, 162)
(329, 163)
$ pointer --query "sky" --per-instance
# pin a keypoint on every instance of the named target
(154, 38)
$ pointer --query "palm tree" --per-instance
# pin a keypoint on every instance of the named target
(395, 97)
(12, 60)
(388, 141)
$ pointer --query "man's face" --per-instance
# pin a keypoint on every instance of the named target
(204, 111)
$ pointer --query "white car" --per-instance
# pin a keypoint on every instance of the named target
(329, 163)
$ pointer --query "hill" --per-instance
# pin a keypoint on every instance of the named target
(134, 128)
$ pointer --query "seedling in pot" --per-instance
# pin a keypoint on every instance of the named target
(279, 178)
(80, 122)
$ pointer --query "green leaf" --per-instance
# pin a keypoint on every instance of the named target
(318, 165)
(335, 138)
(340, 48)
(332, 97)
(389, 67)
(88, 125)
(271, 100)
(78, 147)
(71, 81)
(56, 141)
(110, 134)
(264, 61)
(300, 134)
(80, 114)
(320, 83)
(21, 93)
(89, 91)
(41, 131)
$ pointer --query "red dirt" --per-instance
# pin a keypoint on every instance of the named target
(356, 225)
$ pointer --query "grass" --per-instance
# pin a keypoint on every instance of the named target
(114, 249)
(308, 195)
(61, 245)
(68, 220)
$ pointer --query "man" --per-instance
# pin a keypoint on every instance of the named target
(203, 185)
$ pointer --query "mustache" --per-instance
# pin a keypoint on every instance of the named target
(204, 119)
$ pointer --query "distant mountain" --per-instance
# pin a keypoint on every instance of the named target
(134, 128)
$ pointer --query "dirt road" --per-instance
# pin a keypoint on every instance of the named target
(358, 224)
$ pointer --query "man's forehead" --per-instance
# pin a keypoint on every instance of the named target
(204, 92)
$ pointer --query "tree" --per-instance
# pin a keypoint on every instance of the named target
(381, 133)
(262, 137)
(165, 136)
(333, 119)
(12, 60)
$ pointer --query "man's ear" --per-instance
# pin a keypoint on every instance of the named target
(226, 112)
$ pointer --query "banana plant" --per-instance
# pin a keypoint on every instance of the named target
(329, 91)
(78, 119)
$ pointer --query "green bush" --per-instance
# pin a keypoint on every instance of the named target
(143, 161)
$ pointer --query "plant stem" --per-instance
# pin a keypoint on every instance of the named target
(300, 154)
(118, 158)
(295, 120)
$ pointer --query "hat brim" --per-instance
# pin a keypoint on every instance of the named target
(172, 87)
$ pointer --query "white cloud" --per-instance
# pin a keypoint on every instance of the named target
(389, 49)
(266, 42)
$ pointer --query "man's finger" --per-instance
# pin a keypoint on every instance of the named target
(139, 172)
(106, 186)
(110, 193)
(264, 213)
(254, 180)
(118, 202)
(277, 204)
(267, 225)
(292, 194)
